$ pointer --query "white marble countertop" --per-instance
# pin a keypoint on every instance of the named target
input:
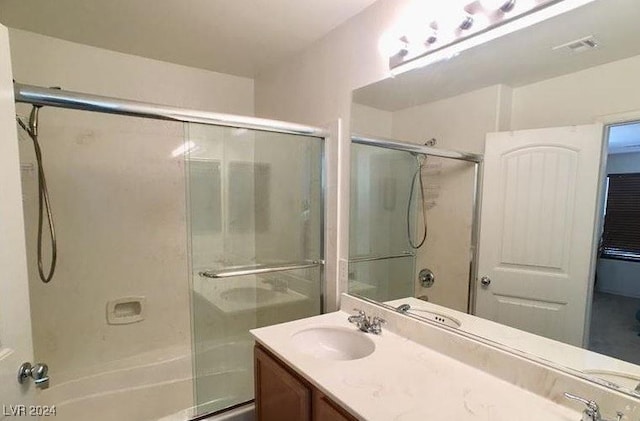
(602, 366)
(402, 380)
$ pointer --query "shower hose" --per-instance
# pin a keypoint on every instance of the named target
(44, 204)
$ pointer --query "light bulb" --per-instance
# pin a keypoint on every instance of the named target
(432, 37)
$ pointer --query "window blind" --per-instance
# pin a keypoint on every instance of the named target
(621, 236)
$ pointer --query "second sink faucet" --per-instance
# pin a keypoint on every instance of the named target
(366, 323)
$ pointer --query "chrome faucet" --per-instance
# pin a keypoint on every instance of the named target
(366, 323)
(592, 412)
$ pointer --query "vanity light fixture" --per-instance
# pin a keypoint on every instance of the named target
(466, 25)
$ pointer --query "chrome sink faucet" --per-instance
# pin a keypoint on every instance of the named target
(592, 412)
(366, 323)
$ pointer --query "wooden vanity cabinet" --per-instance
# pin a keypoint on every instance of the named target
(282, 395)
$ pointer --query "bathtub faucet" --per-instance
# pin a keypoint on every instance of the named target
(38, 372)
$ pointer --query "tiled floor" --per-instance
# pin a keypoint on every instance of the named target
(614, 328)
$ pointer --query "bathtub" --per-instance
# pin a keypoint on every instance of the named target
(151, 386)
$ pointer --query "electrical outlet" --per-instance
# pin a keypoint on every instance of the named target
(343, 272)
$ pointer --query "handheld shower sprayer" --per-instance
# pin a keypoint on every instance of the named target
(44, 204)
(421, 159)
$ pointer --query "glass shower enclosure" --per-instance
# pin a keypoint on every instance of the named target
(381, 261)
(402, 228)
(175, 238)
(255, 218)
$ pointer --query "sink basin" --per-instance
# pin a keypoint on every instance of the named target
(333, 343)
(249, 295)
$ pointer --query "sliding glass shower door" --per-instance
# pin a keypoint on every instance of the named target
(255, 231)
(381, 260)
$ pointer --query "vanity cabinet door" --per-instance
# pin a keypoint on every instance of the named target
(324, 409)
(280, 395)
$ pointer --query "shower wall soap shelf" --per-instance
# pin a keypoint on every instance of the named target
(126, 310)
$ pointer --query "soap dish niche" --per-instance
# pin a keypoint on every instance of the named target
(126, 310)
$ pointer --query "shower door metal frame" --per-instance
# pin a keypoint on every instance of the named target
(60, 98)
(477, 160)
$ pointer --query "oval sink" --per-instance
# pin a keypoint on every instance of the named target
(332, 343)
(249, 295)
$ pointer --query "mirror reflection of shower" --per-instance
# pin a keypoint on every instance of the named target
(421, 160)
(44, 204)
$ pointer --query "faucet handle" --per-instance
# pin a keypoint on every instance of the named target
(357, 318)
(376, 325)
(592, 412)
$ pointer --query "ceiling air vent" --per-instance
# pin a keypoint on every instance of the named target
(579, 45)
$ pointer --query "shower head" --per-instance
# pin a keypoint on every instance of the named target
(430, 143)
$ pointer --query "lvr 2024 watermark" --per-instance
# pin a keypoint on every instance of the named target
(28, 410)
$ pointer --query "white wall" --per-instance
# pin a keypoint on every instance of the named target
(578, 98)
(619, 276)
(371, 121)
(118, 197)
(46, 61)
(622, 163)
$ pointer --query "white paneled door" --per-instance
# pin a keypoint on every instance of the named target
(540, 196)
(15, 317)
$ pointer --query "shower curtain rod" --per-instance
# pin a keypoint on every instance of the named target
(415, 148)
(54, 97)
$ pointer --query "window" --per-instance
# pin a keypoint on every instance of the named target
(621, 236)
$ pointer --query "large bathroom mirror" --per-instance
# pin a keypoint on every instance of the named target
(537, 246)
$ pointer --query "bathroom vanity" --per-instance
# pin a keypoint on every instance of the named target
(324, 368)
(282, 394)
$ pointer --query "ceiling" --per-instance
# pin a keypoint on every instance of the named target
(238, 37)
(519, 58)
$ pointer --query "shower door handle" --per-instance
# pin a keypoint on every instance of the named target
(485, 281)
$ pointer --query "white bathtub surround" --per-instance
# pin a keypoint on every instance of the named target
(134, 383)
(422, 371)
